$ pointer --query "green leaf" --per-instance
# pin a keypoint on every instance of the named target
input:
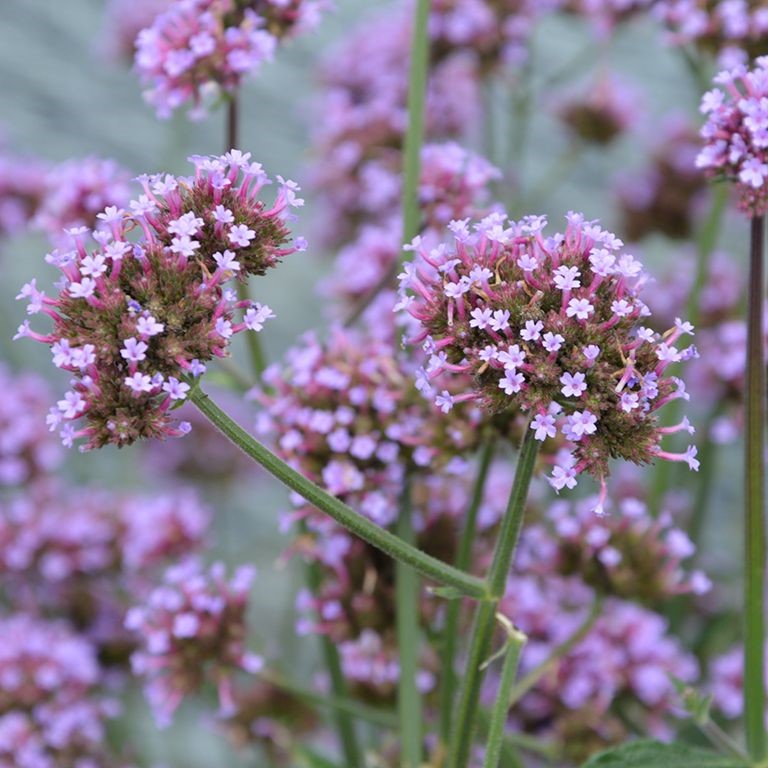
(310, 759)
(654, 754)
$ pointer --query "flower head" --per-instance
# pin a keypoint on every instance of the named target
(192, 629)
(736, 133)
(584, 291)
(160, 305)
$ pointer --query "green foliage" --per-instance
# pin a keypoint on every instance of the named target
(654, 754)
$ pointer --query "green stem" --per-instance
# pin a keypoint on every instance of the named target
(407, 618)
(482, 630)
(533, 677)
(344, 515)
(515, 643)
(233, 142)
(379, 717)
(343, 720)
(754, 489)
(453, 611)
(414, 137)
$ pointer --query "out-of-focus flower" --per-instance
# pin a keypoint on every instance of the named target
(76, 191)
(608, 109)
(123, 20)
(627, 653)
(22, 188)
(50, 712)
(134, 318)
(736, 133)
(192, 630)
(666, 195)
(550, 326)
(733, 29)
(81, 555)
(27, 449)
(626, 552)
(199, 45)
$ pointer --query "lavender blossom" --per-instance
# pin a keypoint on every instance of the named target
(133, 319)
(550, 326)
(736, 134)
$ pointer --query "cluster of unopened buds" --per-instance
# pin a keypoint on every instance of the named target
(736, 133)
(550, 326)
(137, 319)
(199, 45)
(192, 629)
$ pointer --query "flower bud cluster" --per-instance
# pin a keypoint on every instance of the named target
(192, 629)
(135, 317)
(550, 326)
(199, 45)
(736, 133)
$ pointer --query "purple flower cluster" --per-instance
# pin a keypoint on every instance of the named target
(550, 326)
(133, 318)
(734, 29)
(736, 133)
(22, 188)
(454, 183)
(364, 117)
(603, 114)
(667, 194)
(627, 653)
(628, 554)
(76, 192)
(192, 629)
(346, 413)
(123, 20)
(50, 713)
(210, 45)
(27, 449)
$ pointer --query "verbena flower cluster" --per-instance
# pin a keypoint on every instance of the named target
(627, 552)
(627, 653)
(346, 413)
(666, 195)
(22, 188)
(76, 191)
(453, 183)
(27, 449)
(607, 110)
(122, 22)
(736, 133)
(199, 45)
(134, 317)
(734, 29)
(50, 713)
(192, 630)
(550, 326)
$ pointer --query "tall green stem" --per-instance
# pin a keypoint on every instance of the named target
(414, 138)
(343, 720)
(482, 630)
(258, 362)
(754, 490)
(495, 741)
(453, 611)
(407, 618)
(344, 515)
